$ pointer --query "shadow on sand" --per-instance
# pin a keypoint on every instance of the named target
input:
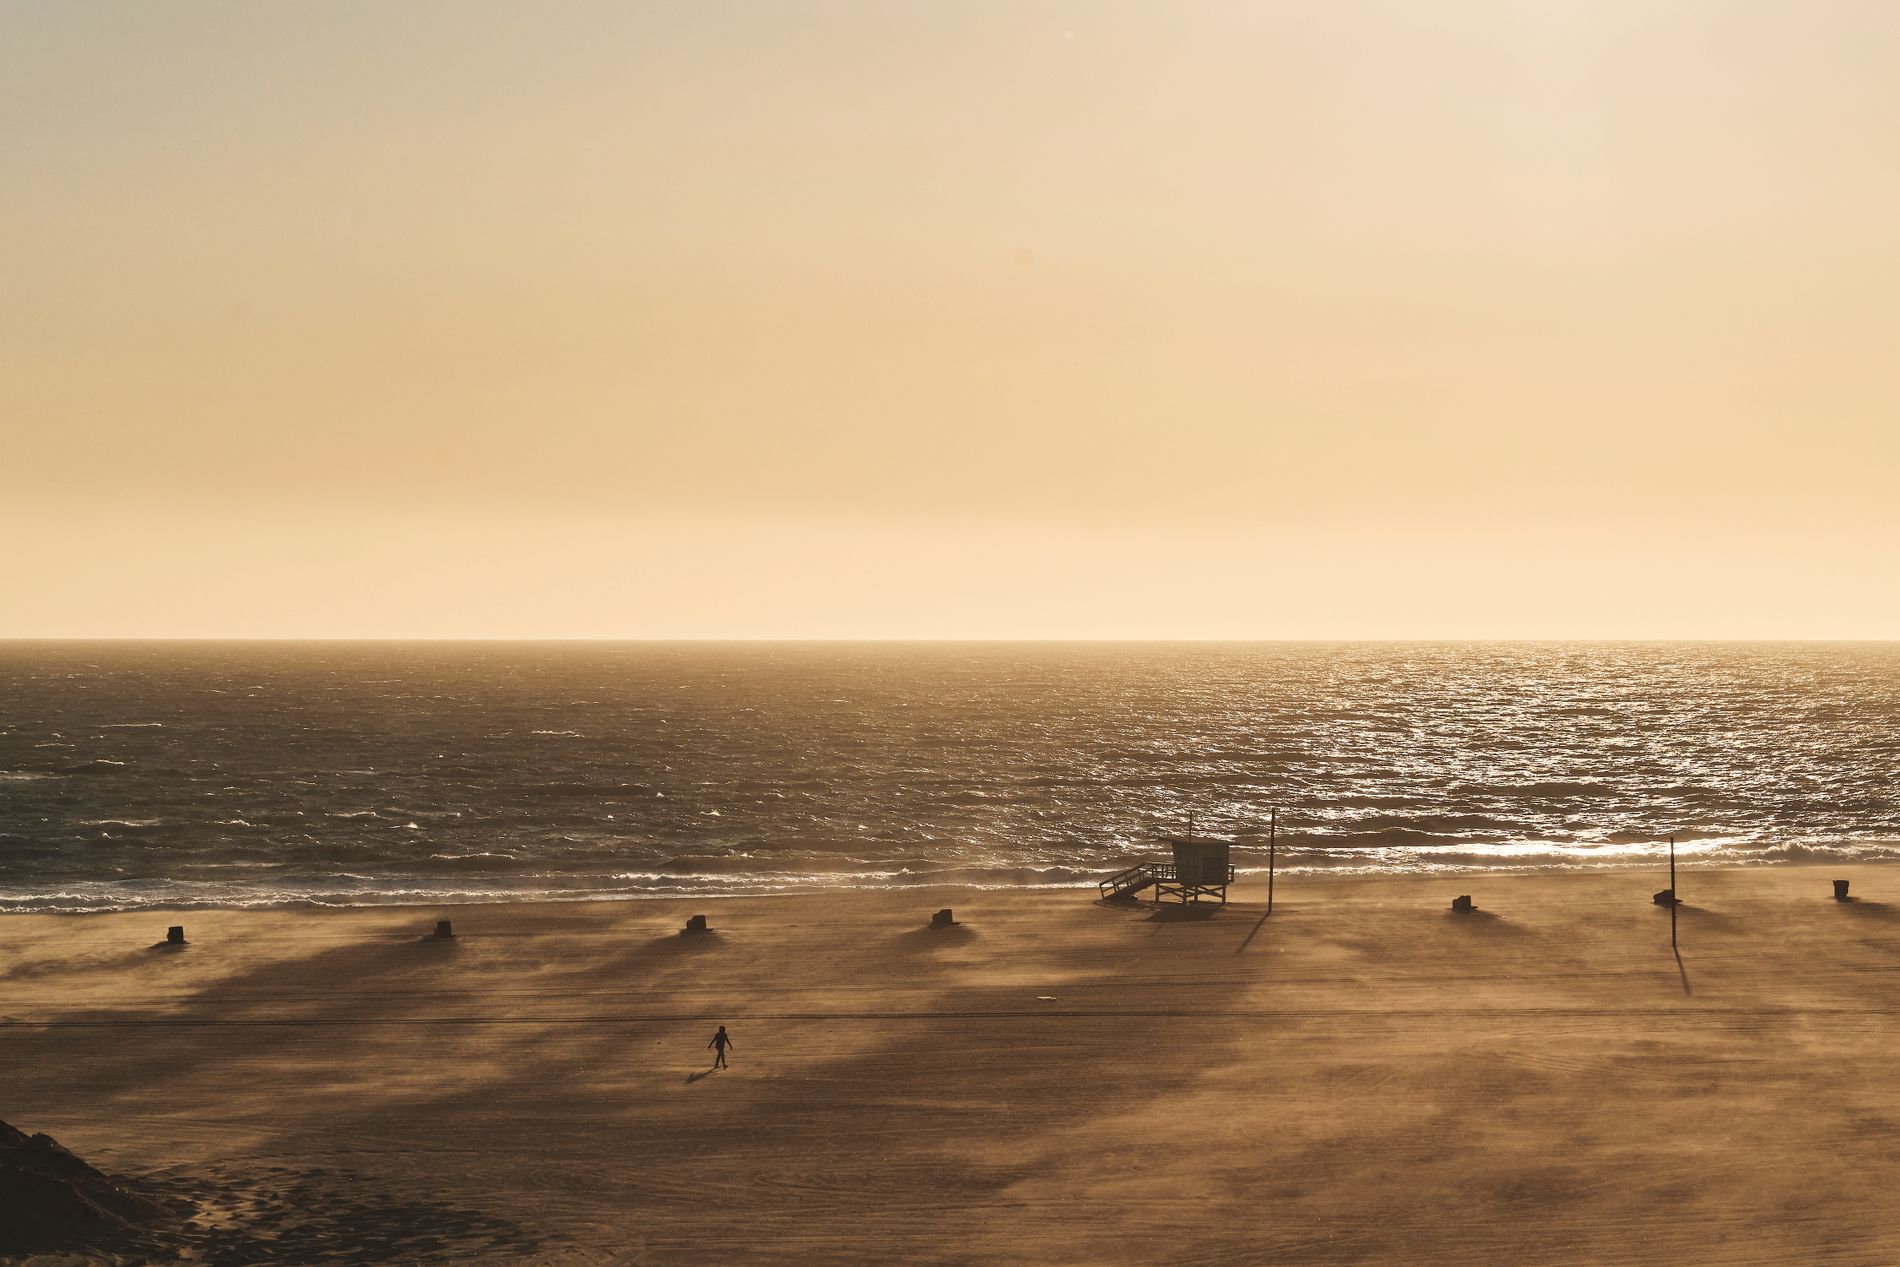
(1253, 932)
(1692, 916)
(1183, 912)
(1483, 921)
(1864, 908)
(928, 938)
(106, 962)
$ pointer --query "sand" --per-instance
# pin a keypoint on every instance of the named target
(1362, 1078)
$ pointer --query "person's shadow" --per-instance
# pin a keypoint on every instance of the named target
(703, 1073)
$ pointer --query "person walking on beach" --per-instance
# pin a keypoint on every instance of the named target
(719, 1043)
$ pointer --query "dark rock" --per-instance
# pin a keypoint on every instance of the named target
(51, 1200)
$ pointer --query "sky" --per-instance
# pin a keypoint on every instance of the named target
(1012, 319)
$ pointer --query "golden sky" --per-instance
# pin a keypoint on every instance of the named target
(1217, 318)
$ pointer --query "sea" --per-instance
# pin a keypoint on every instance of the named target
(339, 774)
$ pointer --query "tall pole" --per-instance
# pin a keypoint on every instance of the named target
(1273, 819)
(1674, 901)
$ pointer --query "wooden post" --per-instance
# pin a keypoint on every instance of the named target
(444, 928)
(1273, 819)
(175, 935)
(1674, 899)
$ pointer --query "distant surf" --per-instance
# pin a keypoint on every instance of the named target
(136, 775)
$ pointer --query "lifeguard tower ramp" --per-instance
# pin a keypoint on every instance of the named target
(1201, 871)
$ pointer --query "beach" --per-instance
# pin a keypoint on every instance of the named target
(1362, 1077)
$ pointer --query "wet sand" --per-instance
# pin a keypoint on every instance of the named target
(1362, 1078)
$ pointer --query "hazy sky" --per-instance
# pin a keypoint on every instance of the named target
(1232, 319)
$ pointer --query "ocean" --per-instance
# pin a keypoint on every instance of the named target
(143, 774)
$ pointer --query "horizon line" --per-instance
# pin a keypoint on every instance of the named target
(921, 640)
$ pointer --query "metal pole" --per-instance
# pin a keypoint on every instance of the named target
(1675, 899)
(1273, 818)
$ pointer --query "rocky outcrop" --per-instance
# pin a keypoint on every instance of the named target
(51, 1200)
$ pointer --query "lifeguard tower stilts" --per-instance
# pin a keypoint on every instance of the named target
(1201, 870)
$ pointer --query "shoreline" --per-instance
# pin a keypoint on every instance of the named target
(1246, 876)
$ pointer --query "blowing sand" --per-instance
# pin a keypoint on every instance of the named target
(1362, 1078)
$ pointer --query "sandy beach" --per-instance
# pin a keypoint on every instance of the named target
(1361, 1078)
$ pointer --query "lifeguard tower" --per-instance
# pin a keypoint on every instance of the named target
(1201, 870)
